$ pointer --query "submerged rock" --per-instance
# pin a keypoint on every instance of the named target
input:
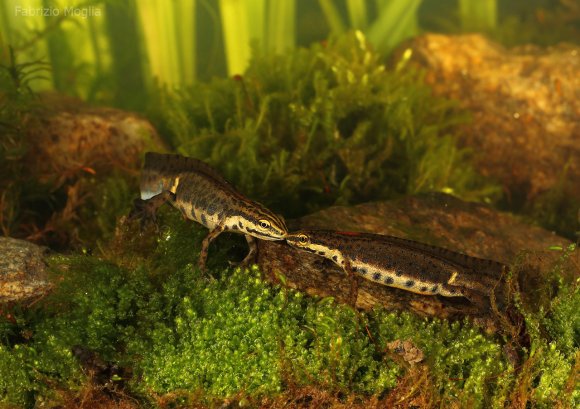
(70, 136)
(22, 270)
(437, 219)
(525, 104)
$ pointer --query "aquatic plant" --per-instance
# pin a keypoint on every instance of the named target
(267, 25)
(17, 107)
(168, 37)
(330, 123)
(478, 15)
(111, 45)
(393, 22)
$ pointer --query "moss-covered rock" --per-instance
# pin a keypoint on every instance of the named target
(438, 219)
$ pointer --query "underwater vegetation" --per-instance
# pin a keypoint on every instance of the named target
(18, 106)
(114, 51)
(167, 335)
(329, 123)
(39, 206)
(138, 322)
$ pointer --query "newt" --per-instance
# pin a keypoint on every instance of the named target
(402, 263)
(201, 194)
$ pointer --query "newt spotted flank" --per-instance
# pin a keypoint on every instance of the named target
(203, 195)
(401, 263)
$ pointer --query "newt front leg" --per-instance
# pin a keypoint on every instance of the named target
(251, 256)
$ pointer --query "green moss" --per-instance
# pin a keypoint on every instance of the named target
(563, 320)
(34, 370)
(238, 334)
(548, 373)
(192, 337)
(460, 358)
(330, 123)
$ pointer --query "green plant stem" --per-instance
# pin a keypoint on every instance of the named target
(185, 28)
(61, 55)
(281, 25)
(332, 16)
(126, 57)
(478, 15)
(397, 20)
(236, 35)
(256, 10)
(357, 13)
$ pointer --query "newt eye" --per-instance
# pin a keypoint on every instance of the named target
(303, 239)
(264, 224)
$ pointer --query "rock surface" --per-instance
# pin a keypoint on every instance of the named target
(525, 104)
(70, 137)
(22, 270)
(438, 219)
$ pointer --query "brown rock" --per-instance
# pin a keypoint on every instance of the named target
(70, 137)
(438, 219)
(525, 104)
(22, 270)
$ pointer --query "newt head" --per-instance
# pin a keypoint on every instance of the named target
(298, 239)
(256, 220)
(320, 241)
(313, 241)
(271, 227)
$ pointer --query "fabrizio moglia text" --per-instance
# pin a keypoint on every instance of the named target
(83, 12)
